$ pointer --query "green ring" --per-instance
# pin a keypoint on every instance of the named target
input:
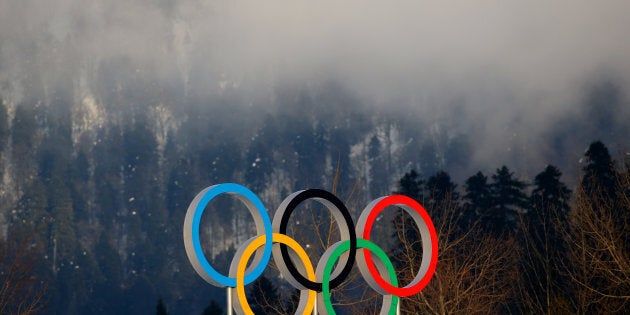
(334, 256)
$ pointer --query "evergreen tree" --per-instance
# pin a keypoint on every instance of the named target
(604, 187)
(478, 199)
(542, 245)
(549, 192)
(213, 309)
(411, 185)
(599, 174)
(441, 191)
(509, 199)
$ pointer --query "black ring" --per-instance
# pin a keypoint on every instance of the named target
(318, 194)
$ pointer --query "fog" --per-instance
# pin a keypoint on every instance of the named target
(503, 72)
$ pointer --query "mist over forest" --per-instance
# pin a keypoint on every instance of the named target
(511, 76)
(114, 114)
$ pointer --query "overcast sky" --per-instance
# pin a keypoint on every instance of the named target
(506, 67)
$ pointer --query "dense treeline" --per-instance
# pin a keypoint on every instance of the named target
(508, 249)
(504, 250)
(93, 213)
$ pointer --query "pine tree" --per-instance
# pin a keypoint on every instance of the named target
(542, 244)
(599, 174)
(441, 191)
(509, 199)
(478, 199)
(604, 185)
(549, 192)
(410, 185)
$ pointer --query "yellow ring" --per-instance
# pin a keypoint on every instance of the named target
(249, 251)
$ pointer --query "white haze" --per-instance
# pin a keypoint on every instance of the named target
(507, 69)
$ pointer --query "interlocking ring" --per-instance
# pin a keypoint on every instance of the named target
(427, 234)
(307, 297)
(332, 254)
(193, 244)
(344, 253)
(341, 215)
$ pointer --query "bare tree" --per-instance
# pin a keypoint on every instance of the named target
(542, 281)
(315, 228)
(475, 272)
(598, 262)
(20, 290)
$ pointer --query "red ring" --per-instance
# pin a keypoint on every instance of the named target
(376, 210)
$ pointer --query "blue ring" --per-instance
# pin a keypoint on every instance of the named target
(207, 197)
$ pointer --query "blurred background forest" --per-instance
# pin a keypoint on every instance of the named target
(92, 221)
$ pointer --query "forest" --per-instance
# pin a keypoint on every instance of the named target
(92, 210)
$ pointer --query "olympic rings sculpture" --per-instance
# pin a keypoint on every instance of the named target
(318, 282)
